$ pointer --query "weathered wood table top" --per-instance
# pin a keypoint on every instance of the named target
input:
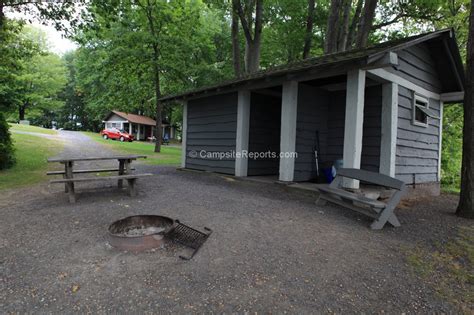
(97, 158)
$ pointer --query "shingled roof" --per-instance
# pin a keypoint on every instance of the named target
(136, 119)
(360, 56)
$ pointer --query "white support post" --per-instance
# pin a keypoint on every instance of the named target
(130, 128)
(388, 143)
(243, 125)
(184, 134)
(354, 123)
(289, 108)
(138, 132)
(440, 145)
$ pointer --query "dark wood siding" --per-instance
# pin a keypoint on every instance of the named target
(372, 134)
(417, 65)
(417, 146)
(323, 111)
(370, 159)
(212, 125)
(264, 133)
(311, 124)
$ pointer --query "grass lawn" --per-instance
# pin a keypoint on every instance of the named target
(168, 155)
(31, 154)
(28, 128)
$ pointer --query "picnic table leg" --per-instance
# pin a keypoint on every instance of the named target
(128, 166)
(131, 187)
(65, 184)
(121, 171)
(70, 185)
(71, 193)
(65, 176)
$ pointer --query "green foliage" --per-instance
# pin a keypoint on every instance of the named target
(44, 76)
(30, 77)
(73, 115)
(7, 157)
(115, 63)
(452, 147)
(14, 50)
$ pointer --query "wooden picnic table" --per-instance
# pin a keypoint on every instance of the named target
(124, 171)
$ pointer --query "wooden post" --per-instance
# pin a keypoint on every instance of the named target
(70, 185)
(388, 143)
(243, 125)
(288, 129)
(441, 109)
(120, 172)
(354, 123)
(132, 191)
(184, 134)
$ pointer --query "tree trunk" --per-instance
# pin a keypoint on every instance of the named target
(354, 25)
(330, 44)
(235, 42)
(21, 112)
(344, 31)
(159, 106)
(366, 23)
(465, 207)
(2, 16)
(309, 29)
(252, 56)
(252, 46)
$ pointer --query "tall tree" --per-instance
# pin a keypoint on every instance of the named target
(43, 77)
(151, 10)
(330, 43)
(235, 41)
(344, 27)
(354, 25)
(465, 207)
(309, 29)
(252, 25)
(365, 24)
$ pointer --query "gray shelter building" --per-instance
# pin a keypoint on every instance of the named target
(378, 108)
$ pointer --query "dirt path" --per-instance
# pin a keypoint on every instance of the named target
(272, 251)
(78, 144)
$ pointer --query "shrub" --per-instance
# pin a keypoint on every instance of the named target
(7, 156)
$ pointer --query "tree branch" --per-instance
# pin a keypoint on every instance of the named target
(243, 20)
(258, 20)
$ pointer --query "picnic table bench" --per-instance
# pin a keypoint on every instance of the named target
(124, 172)
(381, 211)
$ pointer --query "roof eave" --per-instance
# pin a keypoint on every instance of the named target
(292, 74)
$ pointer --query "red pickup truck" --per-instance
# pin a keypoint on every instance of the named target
(116, 134)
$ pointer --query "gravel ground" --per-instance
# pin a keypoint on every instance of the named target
(272, 250)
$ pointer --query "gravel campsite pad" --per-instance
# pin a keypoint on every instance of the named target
(272, 250)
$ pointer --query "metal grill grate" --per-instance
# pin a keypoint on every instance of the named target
(189, 237)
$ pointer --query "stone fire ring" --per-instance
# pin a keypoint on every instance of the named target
(120, 235)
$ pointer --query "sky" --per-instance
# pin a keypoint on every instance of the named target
(57, 43)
